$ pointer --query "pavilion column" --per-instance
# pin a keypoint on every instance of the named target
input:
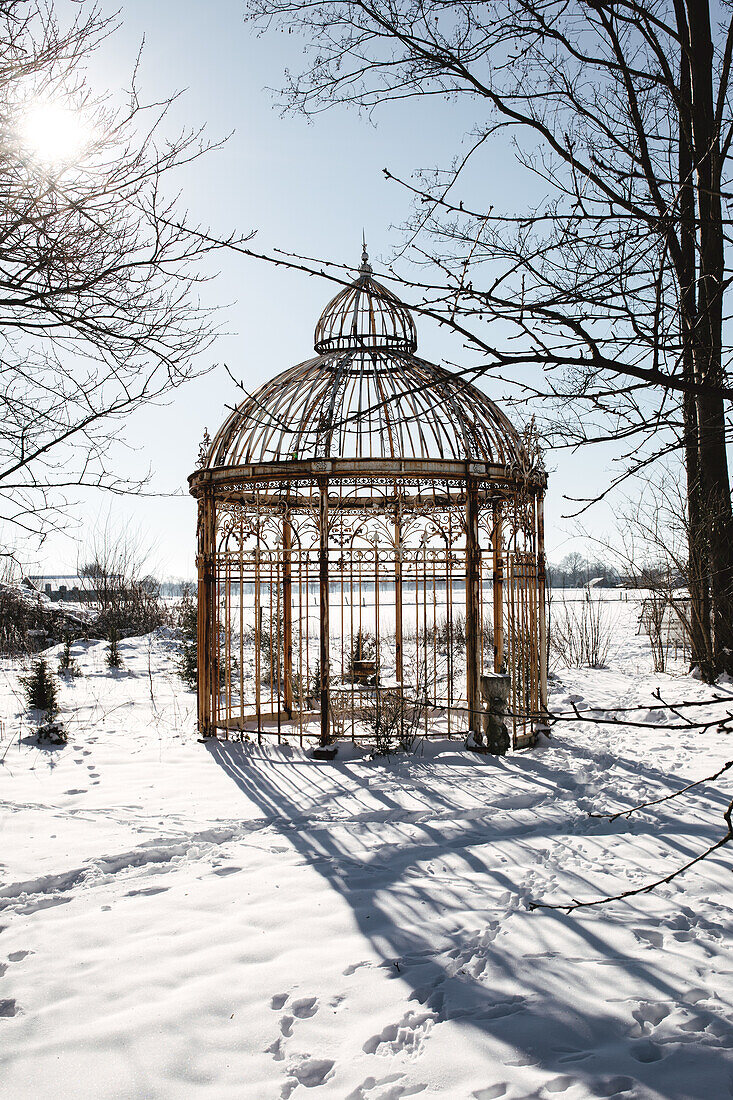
(498, 585)
(287, 615)
(325, 655)
(398, 597)
(541, 596)
(473, 610)
(208, 642)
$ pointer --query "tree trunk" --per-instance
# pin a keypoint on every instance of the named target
(698, 571)
(707, 336)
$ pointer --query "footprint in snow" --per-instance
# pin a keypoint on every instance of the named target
(649, 936)
(278, 1001)
(646, 1051)
(559, 1084)
(16, 956)
(276, 1050)
(408, 1035)
(312, 1072)
(649, 1015)
(286, 1025)
(612, 1086)
(305, 1007)
(76, 790)
(388, 1088)
(222, 871)
(353, 967)
(491, 1092)
(8, 1008)
(576, 1056)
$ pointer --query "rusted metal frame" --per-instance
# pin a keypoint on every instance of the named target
(417, 622)
(277, 683)
(326, 423)
(230, 482)
(398, 595)
(435, 634)
(384, 411)
(348, 401)
(494, 425)
(376, 607)
(273, 626)
(207, 641)
(257, 631)
(325, 654)
(473, 568)
(260, 435)
(512, 664)
(498, 584)
(240, 557)
(308, 685)
(419, 414)
(407, 443)
(262, 419)
(449, 613)
(523, 637)
(227, 636)
(292, 413)
(340, 565)
(311, 397)
(542, 598)
(351, 631)
(287, 595)
(425, 631)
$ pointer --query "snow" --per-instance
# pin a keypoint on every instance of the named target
(228, 920)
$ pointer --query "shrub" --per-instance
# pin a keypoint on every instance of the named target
(20, 619)
(41, 690)
(394, 721)
(188, 626)
(581, 636)
(113, 654)
(67, 664)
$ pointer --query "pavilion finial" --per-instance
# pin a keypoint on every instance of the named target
(365, 268)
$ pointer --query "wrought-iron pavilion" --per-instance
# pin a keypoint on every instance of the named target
(368, 523)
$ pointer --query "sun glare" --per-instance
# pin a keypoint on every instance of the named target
(53, 134)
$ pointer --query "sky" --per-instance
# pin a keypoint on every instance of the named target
(308, 187)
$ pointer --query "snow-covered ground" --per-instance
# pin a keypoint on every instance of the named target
(223, 920)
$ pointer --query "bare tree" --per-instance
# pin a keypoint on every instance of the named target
(126, 599)
(99, 305)
(653, 551)
(614, 282)
(582, 632)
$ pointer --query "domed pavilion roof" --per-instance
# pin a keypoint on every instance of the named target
(366, 395)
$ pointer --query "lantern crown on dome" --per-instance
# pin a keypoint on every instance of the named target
(365, 316)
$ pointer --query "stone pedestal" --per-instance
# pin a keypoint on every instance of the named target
(324, 752)
(495, 689)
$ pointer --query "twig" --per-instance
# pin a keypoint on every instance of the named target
(568, 906)
(666, 797)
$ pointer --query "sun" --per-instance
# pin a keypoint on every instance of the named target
(53, 134)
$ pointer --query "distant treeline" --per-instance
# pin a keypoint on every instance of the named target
(575, 571)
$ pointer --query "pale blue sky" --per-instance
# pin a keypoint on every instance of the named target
(304, 187)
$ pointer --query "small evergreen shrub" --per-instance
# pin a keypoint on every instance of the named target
(42, 695)
(188, 625)
(40, 689)
(67, 664)
(113, 654)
